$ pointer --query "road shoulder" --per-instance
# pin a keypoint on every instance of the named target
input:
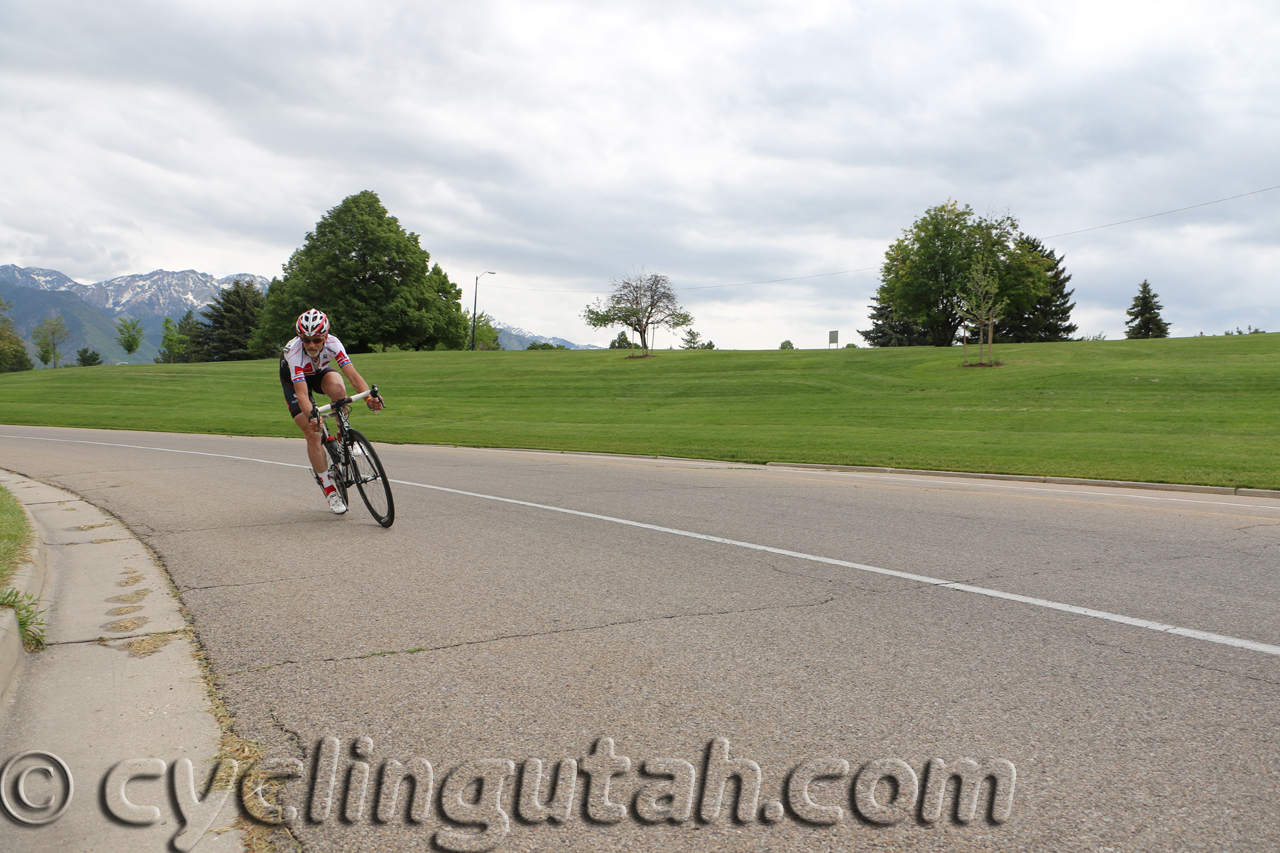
(119, 679)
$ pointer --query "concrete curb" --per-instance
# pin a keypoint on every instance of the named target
(1024, 478)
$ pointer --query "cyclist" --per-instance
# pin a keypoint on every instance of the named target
(306, 367)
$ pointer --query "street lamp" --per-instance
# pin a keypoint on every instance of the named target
(474, 302)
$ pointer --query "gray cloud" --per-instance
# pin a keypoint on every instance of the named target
(717, 143)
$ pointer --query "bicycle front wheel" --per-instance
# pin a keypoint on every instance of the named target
(371, 480)
(336, 473)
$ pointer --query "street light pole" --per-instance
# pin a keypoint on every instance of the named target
(474, 302)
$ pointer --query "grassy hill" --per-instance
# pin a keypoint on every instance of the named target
(1190, 410)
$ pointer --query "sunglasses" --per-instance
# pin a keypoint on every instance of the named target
(319, 339)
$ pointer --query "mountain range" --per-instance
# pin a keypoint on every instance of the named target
(91, 311)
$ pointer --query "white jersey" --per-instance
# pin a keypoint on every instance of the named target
(302, 366)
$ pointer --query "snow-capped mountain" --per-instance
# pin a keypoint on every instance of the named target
(35, 278)
(149, 297)
(514, 338)
(161, 293)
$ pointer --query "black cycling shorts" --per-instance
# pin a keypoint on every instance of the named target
(291, 395)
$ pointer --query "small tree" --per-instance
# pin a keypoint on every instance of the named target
(13, 353)
(173, 348)
(130, 335)
(981, 305)
(1144, 315)
(787, 345)
(87, 357)
(643, 302)
(691, 340)
(486, 334)
(49, 337)
(620, 342)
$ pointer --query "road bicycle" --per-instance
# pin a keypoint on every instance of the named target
(353, 461)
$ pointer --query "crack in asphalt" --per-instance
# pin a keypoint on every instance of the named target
(1175, 661)
(294, 737)
(844, 582)
(533, 634)
(257, 583)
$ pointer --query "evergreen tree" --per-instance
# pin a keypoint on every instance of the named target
(1144, 315)
(87, 357)
(371, 277)
(1049, 318)
(691, 340)
(230, 321)
(620, 342)
(194, 331)
(888, 329)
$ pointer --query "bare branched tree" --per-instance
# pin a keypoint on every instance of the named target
(642, 302)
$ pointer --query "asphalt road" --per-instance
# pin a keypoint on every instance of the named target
(531, 605)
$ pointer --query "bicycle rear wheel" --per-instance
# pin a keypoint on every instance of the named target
(371, 480)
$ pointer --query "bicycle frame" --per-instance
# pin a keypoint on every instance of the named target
(338, 409)
(354, 461)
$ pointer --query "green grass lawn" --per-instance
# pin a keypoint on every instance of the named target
(15, 534)
(1188, 410)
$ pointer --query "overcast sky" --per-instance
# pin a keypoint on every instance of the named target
(562, 144)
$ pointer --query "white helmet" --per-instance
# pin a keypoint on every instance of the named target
(313, 323)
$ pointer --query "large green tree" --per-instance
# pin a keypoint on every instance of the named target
(230, 321)
(929, 268)
(371, 277)
(1144, 315)
(13, 353)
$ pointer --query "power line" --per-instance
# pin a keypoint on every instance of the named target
(1165, 213)
(775, 280)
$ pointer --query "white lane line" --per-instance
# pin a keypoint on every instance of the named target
(1221, 639)
(925, 579)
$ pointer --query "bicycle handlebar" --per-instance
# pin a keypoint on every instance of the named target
(327, 408)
